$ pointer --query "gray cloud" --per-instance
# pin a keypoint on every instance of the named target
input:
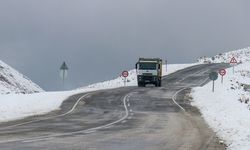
(100, 38)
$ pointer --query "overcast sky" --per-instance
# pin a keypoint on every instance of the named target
(100, 38)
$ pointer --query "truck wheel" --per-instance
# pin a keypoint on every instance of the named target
(159, 83)
(143, 84)
(140, 84)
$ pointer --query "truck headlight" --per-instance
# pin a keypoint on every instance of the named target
(154, 78)
(139, 78)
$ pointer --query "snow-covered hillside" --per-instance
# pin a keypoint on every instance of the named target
(227, 110)
(241, 55)
(11, 81)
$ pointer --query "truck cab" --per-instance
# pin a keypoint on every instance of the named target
(149, 71)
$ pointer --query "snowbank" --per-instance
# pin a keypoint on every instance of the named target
(17, 106)
(227, 109)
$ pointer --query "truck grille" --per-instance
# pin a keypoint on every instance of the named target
(147, 74)
(150, 78)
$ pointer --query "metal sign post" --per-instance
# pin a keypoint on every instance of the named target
(64, 68)
(166, 63)
(213, 76)
(125, 75)
(233, 62)
(222, 72)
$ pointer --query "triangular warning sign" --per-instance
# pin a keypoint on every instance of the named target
(233, 61)
(64, 66)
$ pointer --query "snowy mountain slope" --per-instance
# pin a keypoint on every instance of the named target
(241, 55)
(11, 81)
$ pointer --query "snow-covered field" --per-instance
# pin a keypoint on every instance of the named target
(227, 110)
(17, 106)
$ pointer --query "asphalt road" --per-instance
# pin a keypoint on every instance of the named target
(128, 118)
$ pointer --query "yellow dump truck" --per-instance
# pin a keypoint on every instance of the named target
(149, 71)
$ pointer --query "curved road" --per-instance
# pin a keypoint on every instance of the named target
(129, 118)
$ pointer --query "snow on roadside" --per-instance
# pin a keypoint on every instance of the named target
(227, 109)
(18, 106)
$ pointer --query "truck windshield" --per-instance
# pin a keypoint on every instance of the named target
(147, 66)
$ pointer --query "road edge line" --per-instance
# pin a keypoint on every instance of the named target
(174, 98)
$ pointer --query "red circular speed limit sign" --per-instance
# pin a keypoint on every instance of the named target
(125, 74)
(222, 72)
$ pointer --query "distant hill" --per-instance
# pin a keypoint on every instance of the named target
(11, 81)
(241, 55)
